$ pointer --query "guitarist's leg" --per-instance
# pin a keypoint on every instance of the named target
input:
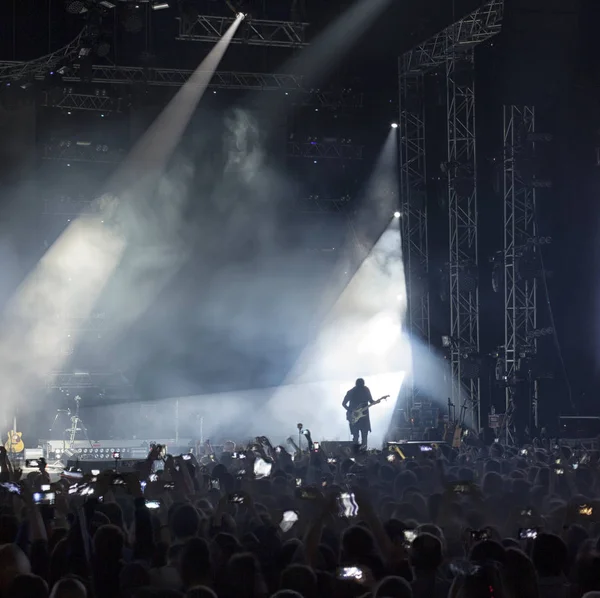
(364, 431)
(354, 429)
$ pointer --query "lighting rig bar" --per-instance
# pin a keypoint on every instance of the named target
(73, 152)
(520, 233)
(343, 151)
(83, 380)
(441, 52)
(253, 32)
(71, 100)
(474, 29)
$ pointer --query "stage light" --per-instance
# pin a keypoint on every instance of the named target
(394, 125)
(160, 5)
(241, 15)
(396, 214)
(107, 4)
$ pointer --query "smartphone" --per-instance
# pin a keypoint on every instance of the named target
(298, 482)
(278, 449)
(574, 465)
(169, 486)
(307, 493)
(586, 510)
(528, 533)
(45, 487)
(44, 498)
(523, 452)
(117, 481)
(409, 536)
(477, 535)
(316, 446)
(85, 490)
(288, 520)
(347, 505)
(526, 513)
(391, 458)
(32, 463)
(116, 455)
(11, 487)
(153, 504)
(153, 477)
(425, 448)
(215, 484)
(237, 498)
(559, 471)
(332, 460)
(351, 573)
(95, 472)
(461, 487)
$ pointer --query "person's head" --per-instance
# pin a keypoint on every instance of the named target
(426, 552)
(356, 542)
(195, 564)
(549, 555)
(521, 577)
(68, 587)
(108, 543)
(200, 592)
(245, 576)
(132, 577)
(301, 579)
(487, 551)
(185, 522)
(13, 562)
(393, 587)
(360, 382)
(9, 526)
(482, 580)
(27, 586)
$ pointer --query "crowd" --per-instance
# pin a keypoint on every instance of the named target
(496, 522)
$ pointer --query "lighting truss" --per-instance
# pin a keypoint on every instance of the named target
(520, 293)
(462, 211)
(441, 52)
(254, 32)
(340, 151)
(475, 28)
(71, 100)
(71, 152)
(86, 380)
(413, 198)
(13, 70)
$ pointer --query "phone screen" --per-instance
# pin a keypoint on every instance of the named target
(237, 498)
(528, 533)
(153, 504)
(347, 505)
(586, 510)
(32, 463)
(316, 446)
(477, 535)
(288, 520)
(11, 487)
(409, 535)
(44, 498)
(352, 573)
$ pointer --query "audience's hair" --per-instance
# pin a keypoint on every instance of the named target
(426, 552)
(200, 592)
(185, 521)
(487, 550)
(393, 587)
(27, 586)
(69, 587)
(549, 555)
(521, 577)
(300, 578)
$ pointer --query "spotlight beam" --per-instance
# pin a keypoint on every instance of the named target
(35, 340)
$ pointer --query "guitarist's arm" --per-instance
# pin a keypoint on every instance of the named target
(370, 400)
(346, 401)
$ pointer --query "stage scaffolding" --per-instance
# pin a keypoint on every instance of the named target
(450, 52)
(520, 248)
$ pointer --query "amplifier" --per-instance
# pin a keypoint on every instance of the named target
(575, 427)
(34, 453)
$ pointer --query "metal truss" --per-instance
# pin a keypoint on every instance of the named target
(459, 38)
(129, 75)
(253, 32)
(13, 70)
(86, 380)
(70, 100)
(413, 198)
(69, 151)
(520, 291)
(314, 149)
(462, 211)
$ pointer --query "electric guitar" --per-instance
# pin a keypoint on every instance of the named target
(355, 415)
(14, 443)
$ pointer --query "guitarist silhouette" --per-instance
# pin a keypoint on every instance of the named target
(357, 398)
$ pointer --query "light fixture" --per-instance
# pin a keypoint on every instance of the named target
(396, 214)
(160, 5)
(394, 125)
(107, 4)
(241, 15)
